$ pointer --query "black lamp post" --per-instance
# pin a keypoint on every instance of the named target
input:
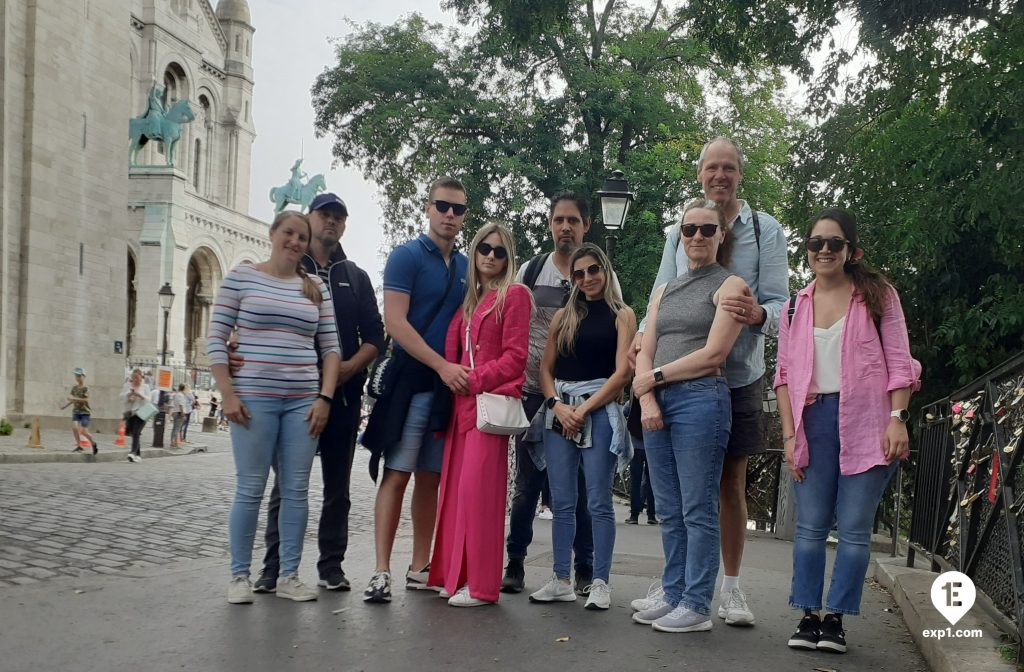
(615, 199)
(166, 295)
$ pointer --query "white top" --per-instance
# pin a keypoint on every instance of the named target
(827, 358)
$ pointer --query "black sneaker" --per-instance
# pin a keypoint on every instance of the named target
(651, 520)
(583, 581)
(267, 583)
(632, 520)
(833, 637)
(379, 590)
(807, 633)
(334, 579)
(515, 577)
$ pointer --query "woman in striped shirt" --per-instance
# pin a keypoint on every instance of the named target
(277, 402)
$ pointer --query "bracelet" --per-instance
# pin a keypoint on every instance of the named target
(324, 397)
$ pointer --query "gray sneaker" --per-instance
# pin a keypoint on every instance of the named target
(554, 591)
(650, 615)
(240, 590)
(292, 588)
(682, 619)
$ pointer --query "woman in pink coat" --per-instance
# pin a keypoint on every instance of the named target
(495, 323)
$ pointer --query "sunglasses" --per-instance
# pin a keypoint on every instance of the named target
(591, 270)
(706, 230)
(817, 243)
(459, 209)
(484, 249)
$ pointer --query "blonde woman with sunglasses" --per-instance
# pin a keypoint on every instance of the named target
(494, 324)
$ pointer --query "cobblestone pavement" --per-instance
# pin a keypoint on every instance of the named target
(105, 518)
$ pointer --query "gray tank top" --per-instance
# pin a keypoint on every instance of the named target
(686, 312)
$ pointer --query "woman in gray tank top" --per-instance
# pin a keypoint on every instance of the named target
(686, 415)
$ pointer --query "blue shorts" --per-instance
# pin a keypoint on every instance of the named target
(419, 449)
(80, 418)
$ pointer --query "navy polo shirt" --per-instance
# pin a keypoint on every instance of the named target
(417, 268)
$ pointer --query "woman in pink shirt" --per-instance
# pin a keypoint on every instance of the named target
(843, 379)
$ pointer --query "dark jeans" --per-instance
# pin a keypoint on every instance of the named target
(184, 425)
(529, 483)
(337, 448)
(134, 424)
(640, 491)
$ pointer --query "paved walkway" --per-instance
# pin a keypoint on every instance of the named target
(117, 566)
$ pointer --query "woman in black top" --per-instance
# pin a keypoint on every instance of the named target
(583, 372)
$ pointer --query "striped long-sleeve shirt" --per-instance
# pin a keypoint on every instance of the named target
(279, 333)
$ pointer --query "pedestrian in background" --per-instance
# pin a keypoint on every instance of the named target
(276, 402)
(134, 395)
(80, 412)
(191, 404)
(178, 411)
(490, 335)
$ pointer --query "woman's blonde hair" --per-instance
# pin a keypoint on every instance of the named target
(309, 288)
(576, 306)
(474, 290)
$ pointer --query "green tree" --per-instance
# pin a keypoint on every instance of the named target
(926, 146)
(533, 97)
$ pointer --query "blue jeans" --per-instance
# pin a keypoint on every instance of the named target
(824, 496)
(530, 481)
(685, 460)
(563, 461)
(640, 492)
(277, 435)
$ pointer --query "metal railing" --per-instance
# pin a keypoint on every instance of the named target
(969, 503)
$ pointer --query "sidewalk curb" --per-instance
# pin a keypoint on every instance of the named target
(911, 590)
(105, 455)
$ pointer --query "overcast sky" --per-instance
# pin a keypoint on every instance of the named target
(291, 47)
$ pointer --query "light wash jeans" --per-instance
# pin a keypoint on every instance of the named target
(563, 464)
(278, 436)
(685, 462)
(826, 496)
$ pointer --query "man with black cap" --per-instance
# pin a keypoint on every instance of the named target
(361, 334)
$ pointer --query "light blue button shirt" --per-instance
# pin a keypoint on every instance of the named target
(766, 272)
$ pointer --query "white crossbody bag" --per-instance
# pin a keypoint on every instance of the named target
(497, 413)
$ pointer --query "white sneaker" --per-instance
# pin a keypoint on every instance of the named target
(655, 598)
(240, 590)
(546, 514)
(554, 591)
(649, 616)
(464, 599)
(599, 595)
(734, 608)
(444, 594)
(292, 588)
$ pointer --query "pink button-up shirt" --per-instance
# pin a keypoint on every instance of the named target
(869, 369)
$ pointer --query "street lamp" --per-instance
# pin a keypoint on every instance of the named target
(615, 199)
(166, 295)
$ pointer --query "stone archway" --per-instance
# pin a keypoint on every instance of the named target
(202, 281)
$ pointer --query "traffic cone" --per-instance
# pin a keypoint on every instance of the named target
(33, 437)
(120, 434)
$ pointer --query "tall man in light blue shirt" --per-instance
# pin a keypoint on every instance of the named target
(759, 257)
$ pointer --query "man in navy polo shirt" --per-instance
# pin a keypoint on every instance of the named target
(424, 282)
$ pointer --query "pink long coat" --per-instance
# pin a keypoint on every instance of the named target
(470, 530)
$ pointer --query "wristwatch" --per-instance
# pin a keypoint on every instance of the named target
(659, 377)
(902, 415)
(551, 401)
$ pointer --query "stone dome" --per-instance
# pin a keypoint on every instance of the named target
(234, 10)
